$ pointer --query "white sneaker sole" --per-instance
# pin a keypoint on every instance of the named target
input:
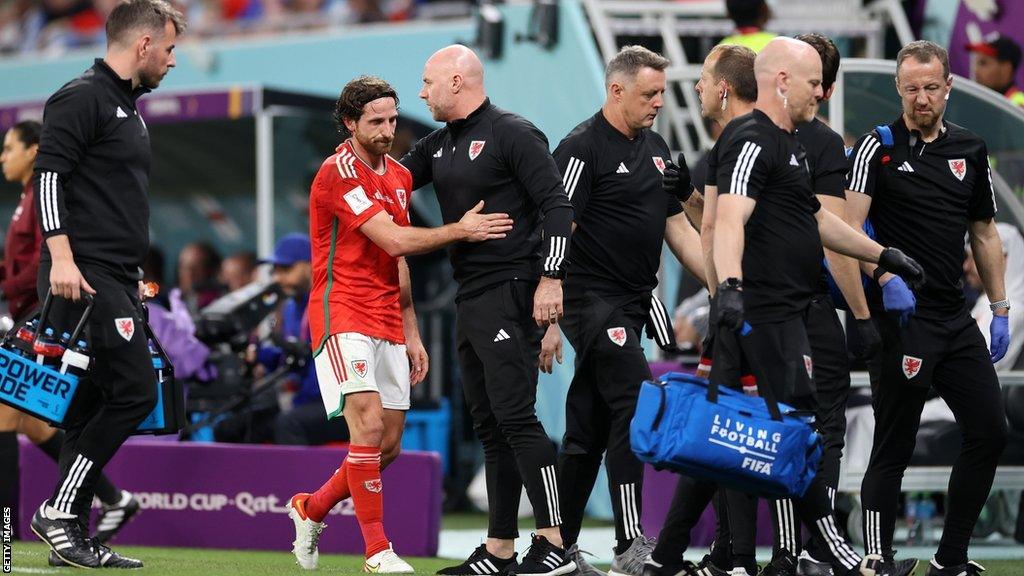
(567, 569)
(306, 563)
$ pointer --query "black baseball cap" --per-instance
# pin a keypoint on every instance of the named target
(998, 47)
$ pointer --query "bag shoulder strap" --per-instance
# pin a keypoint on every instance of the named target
(763, 388)
(885, 136)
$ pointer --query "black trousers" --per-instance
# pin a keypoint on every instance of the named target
(949, 355)
(605, 332)
(118, 392)
(831, 391)
(780, 355)
(689, 501)
(498, 345)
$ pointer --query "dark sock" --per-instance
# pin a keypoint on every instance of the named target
(51, 447)
(946, 557)
(622, 546)
(106, 491)
(745, 561)
(9, 470)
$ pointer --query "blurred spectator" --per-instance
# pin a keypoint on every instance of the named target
(55, 26)
(237, 270)
(366, 11)
(1013, 251)
(995, 62)
(24, 238)
(198, 266)
(305, 423)
(750, 17)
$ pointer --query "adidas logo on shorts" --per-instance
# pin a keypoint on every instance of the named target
(502, 335)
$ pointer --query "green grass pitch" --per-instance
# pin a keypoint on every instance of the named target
(30, 558)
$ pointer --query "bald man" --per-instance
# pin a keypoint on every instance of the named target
(509, 290)
(764, 186)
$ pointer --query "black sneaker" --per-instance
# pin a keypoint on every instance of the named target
(709, 567)
(807, 565)
(67, 539)
(480, 563)
(108, 559)
(972, 568)
(544, 559)
(783, 564)
(654, 568)
(874, 565)
(113, 518)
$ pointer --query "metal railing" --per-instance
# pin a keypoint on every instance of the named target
(671, 22)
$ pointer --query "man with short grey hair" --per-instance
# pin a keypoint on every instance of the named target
(612, 166)
(92, 183)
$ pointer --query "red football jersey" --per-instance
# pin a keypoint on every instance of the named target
(355, 282)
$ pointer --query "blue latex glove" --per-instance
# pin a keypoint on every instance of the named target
(1000, 332)
(898, 299)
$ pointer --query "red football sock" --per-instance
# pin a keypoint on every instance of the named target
(333, 491)
(366, 488)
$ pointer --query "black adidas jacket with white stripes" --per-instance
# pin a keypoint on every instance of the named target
(500, 158)
(92, 171)
(614, 184)
(782, 248)
(923, 196)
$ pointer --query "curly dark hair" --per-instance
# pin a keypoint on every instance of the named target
(356, 95)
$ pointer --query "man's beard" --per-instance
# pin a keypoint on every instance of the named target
(376, 147)
(150, 80)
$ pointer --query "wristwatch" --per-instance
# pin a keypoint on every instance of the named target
(554, 274)
(1005, 303)
(732, 283)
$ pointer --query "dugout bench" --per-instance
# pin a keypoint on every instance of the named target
(936, 478)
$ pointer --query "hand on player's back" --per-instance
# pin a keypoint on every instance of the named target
(478, 227)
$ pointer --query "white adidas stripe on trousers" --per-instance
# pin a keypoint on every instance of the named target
(69, 489)
(550, 479)
(630, 511)
(789, 535)
(873, 531)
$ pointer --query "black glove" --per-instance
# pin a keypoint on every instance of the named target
(730, 306)
(870, 340)
(892, 260)
(676, 179)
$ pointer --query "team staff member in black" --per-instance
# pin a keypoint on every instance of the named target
(612, 166)
(727, 89)
(764, 188)
(923, 194)
(92, 184)
(486, 153)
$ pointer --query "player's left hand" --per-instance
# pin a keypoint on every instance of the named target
(676, 179)
(419, 362)
(550, 349)
(999, 331)
(547, 301)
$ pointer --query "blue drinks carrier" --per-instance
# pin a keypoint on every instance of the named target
(34, 388)
(44, 392)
